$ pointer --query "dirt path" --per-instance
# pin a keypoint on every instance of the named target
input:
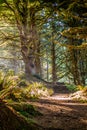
(59, 112)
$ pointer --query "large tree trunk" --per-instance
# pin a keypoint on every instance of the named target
(29, 60)
(28, 37)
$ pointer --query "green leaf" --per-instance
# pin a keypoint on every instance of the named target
(31, 1)
(1, 1)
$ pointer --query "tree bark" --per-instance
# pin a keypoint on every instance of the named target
(54, 76)
(28, 37)
(74, 57)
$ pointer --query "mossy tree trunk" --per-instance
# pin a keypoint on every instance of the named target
(53, 55)
(25, 19)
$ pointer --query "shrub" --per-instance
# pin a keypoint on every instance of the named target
(16, 89)
(80, 95)
(36, 90)
(71, 87)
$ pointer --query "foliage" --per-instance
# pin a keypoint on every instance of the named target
(35, 90)
(85, 89)
(25, 109)
(75, 34)
(12, 120)
(19, 90)
(80, 95)
(14, 92)
(59, 23)
(71, 87)
(8, 84)
(79, 87)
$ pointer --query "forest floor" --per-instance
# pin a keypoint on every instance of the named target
(60, 112)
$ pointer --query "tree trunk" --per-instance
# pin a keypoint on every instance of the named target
(47, 65)
(54, 76)
(28, 37)
(29, 61)
(53, 54)
(74, 57)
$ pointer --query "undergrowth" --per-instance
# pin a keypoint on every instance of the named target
(71, 87)
(25, 109)
(80, 94)
(16, 88)
(15, 91)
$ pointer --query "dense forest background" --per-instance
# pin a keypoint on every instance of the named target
(45, 38)
(43, 64)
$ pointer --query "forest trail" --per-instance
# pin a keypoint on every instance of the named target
(59, 112)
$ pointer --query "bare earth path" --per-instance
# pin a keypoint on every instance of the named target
(59, 112)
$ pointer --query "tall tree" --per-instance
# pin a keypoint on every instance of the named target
(24, 15)
(76, 35)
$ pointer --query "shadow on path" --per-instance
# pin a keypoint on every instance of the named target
(61, 113)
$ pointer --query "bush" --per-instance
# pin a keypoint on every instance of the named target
(14, 91)
(36, 90)
(71, 87)
(80, 95)
(17, 89)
